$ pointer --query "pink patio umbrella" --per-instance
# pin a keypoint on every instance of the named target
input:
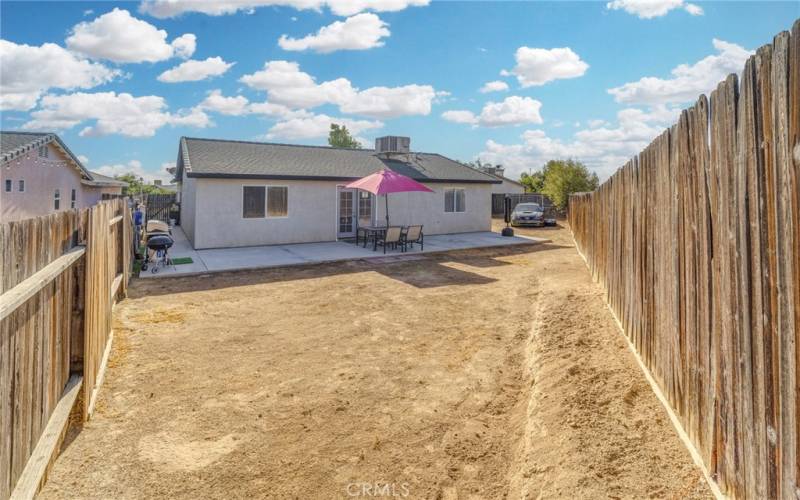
(385, 182)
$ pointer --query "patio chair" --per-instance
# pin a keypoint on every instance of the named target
(413, 234)
(392, 237)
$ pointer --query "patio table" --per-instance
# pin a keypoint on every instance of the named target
(373, 231)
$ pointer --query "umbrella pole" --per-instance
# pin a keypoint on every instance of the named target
(386, 196)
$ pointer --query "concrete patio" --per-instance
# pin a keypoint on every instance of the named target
(230, 259)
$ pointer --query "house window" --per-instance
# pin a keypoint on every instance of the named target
(56, 199)
(43, 152)
(277, 201)
(8, 185)
(72, 198)
(21, 185)
(253, 202)
(455, 200)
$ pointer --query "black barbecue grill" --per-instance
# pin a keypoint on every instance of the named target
(158, 245)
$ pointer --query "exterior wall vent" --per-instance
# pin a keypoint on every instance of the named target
(393, 144)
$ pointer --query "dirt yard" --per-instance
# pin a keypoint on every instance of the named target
(478, 374)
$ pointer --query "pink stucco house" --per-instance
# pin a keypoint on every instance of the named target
(39, 175)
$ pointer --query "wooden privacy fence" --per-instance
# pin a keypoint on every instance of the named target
(59, 276)
(697, 243)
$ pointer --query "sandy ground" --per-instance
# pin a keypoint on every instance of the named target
(494, 373)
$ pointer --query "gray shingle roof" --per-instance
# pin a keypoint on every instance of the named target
(104, 180)
(12, 143)
(223, 158)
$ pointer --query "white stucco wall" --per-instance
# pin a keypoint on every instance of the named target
(217, 220)
(188, 206)
(94, 194)
(41, 180)
(507, 187)
(428, 209)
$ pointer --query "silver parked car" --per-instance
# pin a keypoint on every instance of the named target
(527, 214)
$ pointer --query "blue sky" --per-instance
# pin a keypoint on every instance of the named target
(122, 81)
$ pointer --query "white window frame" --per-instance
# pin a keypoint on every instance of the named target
(21, 184)
(9, 186)
(455, 201)
(57, 199)
(266, 202)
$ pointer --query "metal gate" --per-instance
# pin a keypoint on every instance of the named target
(163, 207)
(498, 202)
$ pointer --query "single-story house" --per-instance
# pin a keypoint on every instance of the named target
(238, 193)
(39, 175)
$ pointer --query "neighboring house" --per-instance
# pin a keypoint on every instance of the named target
(39, 175)
(236, 193)
(507, 186)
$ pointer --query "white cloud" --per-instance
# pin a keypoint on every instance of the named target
(460, 116)
(539, 66)
(350, 7)
(83, 159)
(390, 102)
(172, 8)
(233, 106)
(29, 71)
(495, 86)
(693, 9)
(194, 117)
(185, 45)
(239, 106)
(596, 123)
(513, 110)
(359, 32)
(111, 113)
(688, 81)
(317, 126)
(285, 84)
(120, 37)
(603, 149)
(193, 71)
(648, 9)
(135, 167)
(276, 110)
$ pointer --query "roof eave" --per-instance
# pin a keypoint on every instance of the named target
(104, 183)
(219, 175)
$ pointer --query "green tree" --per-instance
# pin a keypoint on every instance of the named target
(339, 137)
(136, 186)
(564, 177)
(534, 183)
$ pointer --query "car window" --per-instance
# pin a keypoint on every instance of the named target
(527, 206)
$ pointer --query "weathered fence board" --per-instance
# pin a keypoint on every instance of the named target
(696, 242)
(43, 279)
